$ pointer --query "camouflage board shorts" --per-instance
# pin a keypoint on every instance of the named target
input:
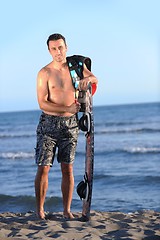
(56, 132)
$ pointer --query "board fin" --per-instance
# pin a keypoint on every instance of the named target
(83, 188)
(85, 122)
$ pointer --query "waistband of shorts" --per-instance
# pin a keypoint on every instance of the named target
(58, 117)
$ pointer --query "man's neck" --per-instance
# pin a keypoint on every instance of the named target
(59, 65)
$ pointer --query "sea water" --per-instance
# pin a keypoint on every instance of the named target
(126, 162)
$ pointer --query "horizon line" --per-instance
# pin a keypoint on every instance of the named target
(105, 105)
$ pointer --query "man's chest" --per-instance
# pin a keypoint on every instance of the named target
(60, 79)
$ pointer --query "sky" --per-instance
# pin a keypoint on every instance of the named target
(122, 37)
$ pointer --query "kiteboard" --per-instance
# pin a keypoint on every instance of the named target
(84, 188)
(86, 124)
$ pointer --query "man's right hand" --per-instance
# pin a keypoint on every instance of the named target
(74, 107)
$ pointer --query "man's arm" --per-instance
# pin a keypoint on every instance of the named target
(89, 78)
(42, 94)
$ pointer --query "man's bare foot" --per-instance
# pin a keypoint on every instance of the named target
(41, 215)
(68, 216)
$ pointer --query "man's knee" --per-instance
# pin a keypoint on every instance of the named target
(43, 170)
(67, 169)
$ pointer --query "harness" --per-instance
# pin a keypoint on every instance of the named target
(76, 66)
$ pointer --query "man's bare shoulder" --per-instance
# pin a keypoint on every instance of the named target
(44, 72)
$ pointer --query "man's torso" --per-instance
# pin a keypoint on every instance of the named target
(60, 88)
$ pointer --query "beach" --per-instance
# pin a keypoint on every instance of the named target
(102, 225)
(125, 197)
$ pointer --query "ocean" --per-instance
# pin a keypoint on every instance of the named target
(126, 164)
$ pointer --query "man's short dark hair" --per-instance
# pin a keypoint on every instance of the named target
(54, 37)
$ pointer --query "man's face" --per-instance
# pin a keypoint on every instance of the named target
(58, 50)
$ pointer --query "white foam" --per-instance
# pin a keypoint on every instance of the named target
(143, 150)
(16, 155)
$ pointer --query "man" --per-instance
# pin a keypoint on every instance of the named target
(58, 125)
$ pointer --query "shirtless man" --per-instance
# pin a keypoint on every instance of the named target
(58, 125)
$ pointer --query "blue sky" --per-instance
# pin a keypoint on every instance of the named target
(121, 36)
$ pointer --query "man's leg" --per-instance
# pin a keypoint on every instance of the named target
(67, 188)
(41, 186)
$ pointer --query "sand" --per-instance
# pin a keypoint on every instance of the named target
(102, 225)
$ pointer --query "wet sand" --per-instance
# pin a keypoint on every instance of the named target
(102, 225)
